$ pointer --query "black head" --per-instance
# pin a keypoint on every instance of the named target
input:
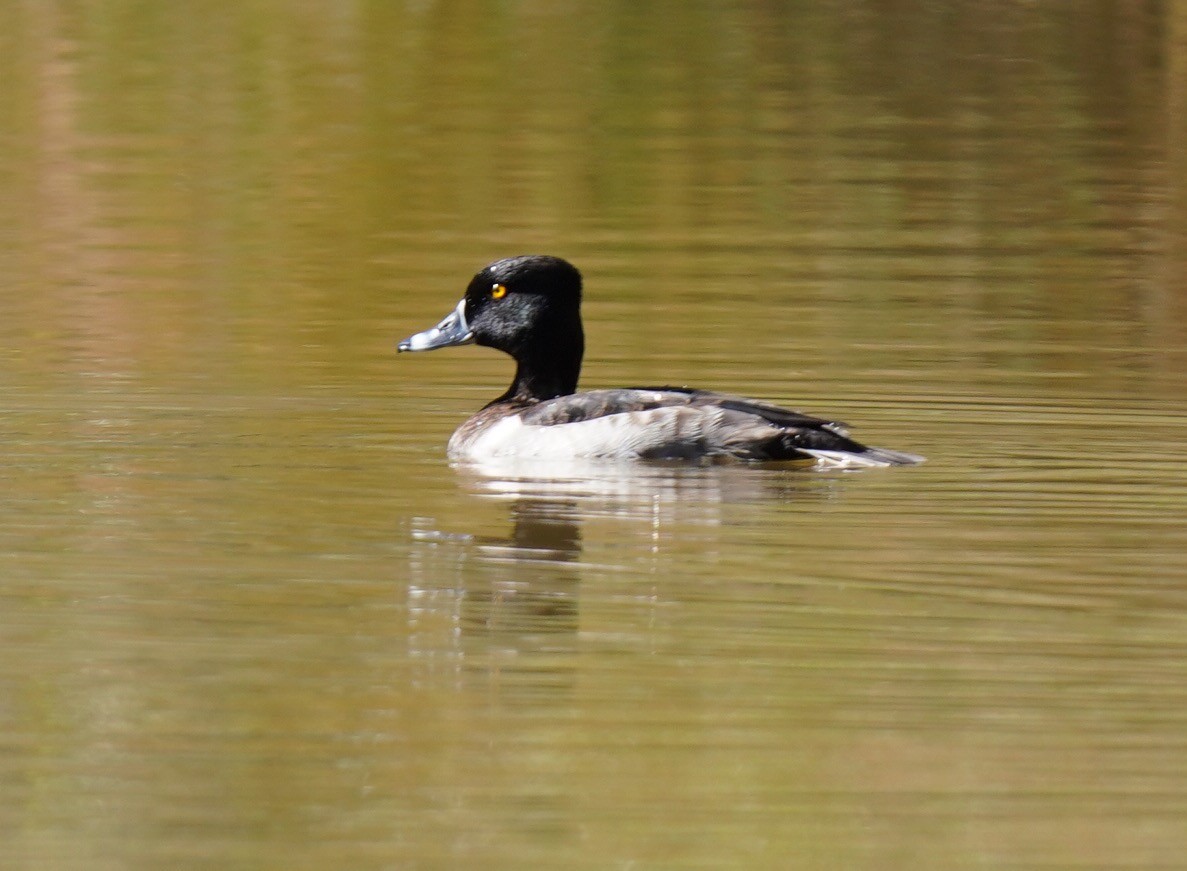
(519, 302)
(528, 307)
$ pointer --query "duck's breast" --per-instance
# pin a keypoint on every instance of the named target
(654, 433)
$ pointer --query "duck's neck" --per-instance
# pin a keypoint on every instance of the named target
(546, 371)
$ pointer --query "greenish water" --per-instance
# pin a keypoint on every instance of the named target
(251, 618)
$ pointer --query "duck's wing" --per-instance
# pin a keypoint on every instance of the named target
(594, 404)
(783, 417)
(674, 422)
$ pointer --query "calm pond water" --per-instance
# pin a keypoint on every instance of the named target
(251, 618)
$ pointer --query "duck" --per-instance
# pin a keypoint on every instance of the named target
(529, 307)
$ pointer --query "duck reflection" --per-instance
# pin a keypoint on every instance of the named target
(500, 609)
(675, 492)
(528, 583)
(507, 607)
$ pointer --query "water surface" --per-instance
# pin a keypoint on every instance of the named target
(251, 617)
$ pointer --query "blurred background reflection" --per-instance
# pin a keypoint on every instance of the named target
(249, 615)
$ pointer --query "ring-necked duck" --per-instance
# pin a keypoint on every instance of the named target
(530, 307)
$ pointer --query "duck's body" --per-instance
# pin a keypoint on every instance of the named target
(664, 423)
(529, 307)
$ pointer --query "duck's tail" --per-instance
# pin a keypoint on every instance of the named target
(868, 458)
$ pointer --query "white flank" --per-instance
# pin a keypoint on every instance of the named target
(616, 436)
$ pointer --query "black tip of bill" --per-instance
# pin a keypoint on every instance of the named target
(453, 330)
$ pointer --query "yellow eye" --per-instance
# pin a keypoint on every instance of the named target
(498, 291)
